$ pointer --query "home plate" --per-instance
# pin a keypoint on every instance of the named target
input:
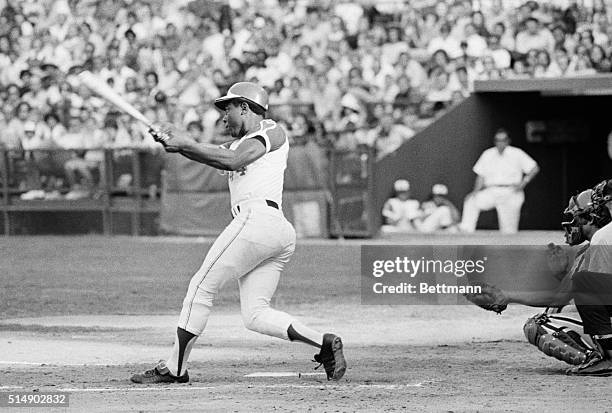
(283, 374)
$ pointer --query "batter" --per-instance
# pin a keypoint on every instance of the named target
(255, 247)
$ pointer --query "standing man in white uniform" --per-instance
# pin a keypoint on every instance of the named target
(502, 173)
(255, 247)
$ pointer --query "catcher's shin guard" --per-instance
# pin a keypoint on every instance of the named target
(555, 347)
(558, 341)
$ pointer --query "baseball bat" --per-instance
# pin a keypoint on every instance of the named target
(102, 89)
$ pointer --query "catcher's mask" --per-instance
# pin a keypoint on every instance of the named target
(581, 211)
(574, 235)
(577, 212)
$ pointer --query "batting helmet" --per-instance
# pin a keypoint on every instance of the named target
(247, 91)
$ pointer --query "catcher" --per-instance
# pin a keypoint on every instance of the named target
(590, 352)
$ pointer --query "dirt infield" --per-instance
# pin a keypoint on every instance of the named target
(81, 314)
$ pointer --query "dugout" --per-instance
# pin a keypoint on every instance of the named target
(562, 123)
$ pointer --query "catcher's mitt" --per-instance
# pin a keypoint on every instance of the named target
(490, 298)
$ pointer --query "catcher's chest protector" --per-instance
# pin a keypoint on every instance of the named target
(553, 336)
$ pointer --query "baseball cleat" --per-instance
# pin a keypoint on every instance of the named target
(596, 366)
(159, 374)
(331, 357)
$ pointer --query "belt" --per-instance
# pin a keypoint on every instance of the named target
(501, 186)
(270, 203)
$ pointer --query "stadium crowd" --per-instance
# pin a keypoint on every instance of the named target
(340, 73)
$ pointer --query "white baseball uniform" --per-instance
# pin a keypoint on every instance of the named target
(399, 214)
(253, 248)
(501, 173)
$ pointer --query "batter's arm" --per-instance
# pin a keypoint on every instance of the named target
(221, 158)
(247, 152)
(218, 157)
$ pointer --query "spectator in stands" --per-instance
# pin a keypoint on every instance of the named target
(506, 39)
(44, 167)
(580, 65)
(446, 42)
(351, 123)
(87, 160)
(476, 44)
(534, 37)
(543, 66)
(461, 81)
(439, 90)
(502, 172)
(400, 211)
(404, 97)
(599, 60)
(501, 57)
(388, 135)
(15, 130)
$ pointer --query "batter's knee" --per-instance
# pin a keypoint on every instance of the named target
(199, 293)
(251, 315)
(250, 322)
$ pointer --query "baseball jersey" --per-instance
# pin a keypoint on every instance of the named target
(263, 178)
(599, 258)
(396, 209)
(506, 168)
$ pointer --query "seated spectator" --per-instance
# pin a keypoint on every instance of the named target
(599, 60)
(500, 56)
(439, 90)
(87, 160)
(561, 61)
(461, 81)
(387, 136)
(400, 211)
(353, 118)
(519, 70)
(404, 97)
(480, 27)
(506, 40)
(438, 213)
(407, 65)
(534, 37)
(488, 70)
(544, 67)
(446, 42)
(476, 44)
(580, 65)
(44, 166)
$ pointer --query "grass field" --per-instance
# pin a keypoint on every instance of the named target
(81, 314)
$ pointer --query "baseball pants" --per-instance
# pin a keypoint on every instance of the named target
(593, 298)
(253, 249)
(506, 200)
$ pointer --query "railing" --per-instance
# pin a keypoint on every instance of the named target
(351, 180)
(140, 196)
